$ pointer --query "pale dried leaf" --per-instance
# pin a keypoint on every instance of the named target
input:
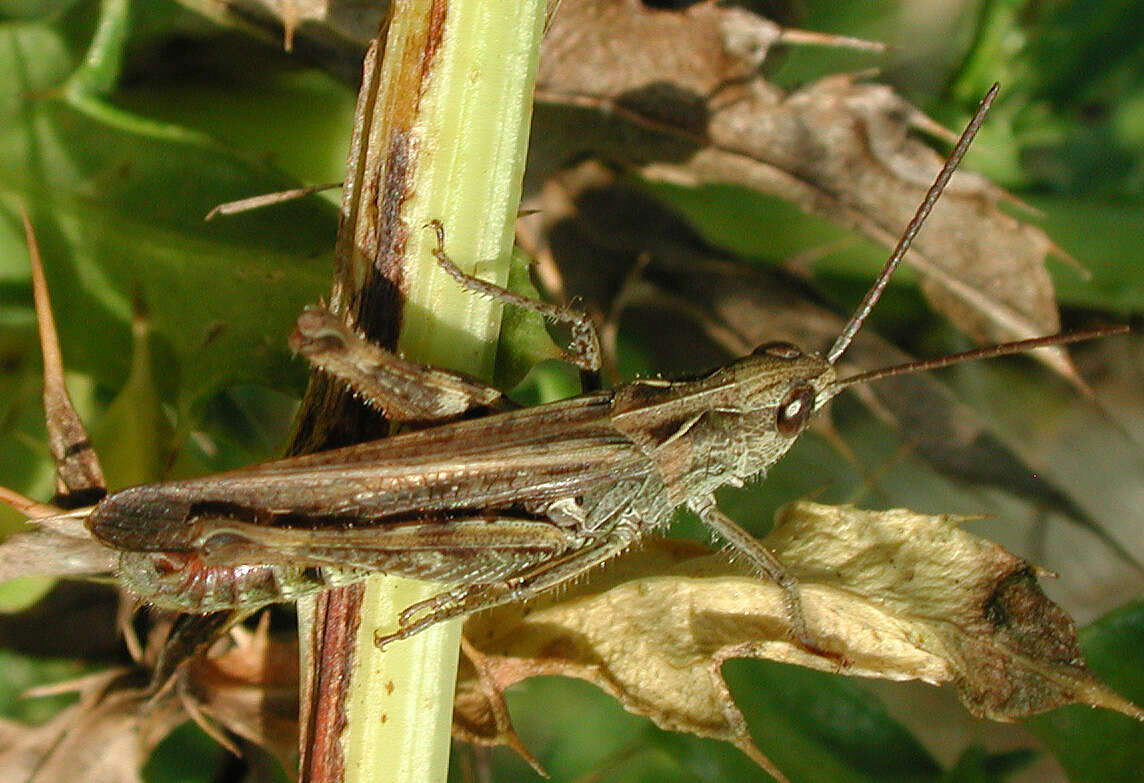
(480, 715)
(898, 595)
(335, 31)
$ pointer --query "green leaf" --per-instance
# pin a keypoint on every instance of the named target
(816, 727)
(134, 421)
(187, 755)
(118, 203)
(21, 673)
(977, 766)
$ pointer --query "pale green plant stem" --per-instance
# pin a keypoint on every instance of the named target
(471, 139)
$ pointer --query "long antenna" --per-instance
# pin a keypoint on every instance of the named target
(988, 352)
(915, 224)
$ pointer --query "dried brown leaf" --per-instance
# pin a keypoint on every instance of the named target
(251, 689)
(105, 738)
(837, 147)
(898, 595)
(675, 94)
(246, 684)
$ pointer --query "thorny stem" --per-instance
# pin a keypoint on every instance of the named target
(440, 134)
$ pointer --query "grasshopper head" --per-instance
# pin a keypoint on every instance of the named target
(786, 385)
(777, 389)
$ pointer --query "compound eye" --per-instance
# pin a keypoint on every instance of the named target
(779, 350)
(794, 411)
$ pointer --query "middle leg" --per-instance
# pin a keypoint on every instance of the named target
(472, 598)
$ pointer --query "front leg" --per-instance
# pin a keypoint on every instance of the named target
(584, 349)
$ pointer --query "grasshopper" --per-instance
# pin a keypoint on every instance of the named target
(504, 503)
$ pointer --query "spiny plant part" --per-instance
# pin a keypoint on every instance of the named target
(503, 506)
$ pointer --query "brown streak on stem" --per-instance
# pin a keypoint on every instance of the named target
(357, 169)
(337, 620)
(435, 31)
(382, 290)
(368, 291)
